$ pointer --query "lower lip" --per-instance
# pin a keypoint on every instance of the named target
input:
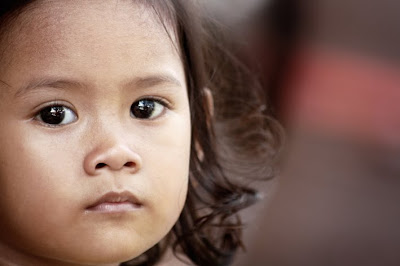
(113, 207)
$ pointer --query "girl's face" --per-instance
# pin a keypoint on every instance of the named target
(95, 133)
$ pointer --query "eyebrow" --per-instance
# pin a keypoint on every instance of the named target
(56, 83)
(154, 80)
(60, 83)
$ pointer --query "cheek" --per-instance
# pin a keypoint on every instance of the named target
(36, 193)
(36, 167)
(166, 164)
(169, 170)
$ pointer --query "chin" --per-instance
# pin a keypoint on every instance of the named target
(105, 258)
(103, 252)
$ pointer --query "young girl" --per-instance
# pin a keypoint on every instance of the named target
(108, 149)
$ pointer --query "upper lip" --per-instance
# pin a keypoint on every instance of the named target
(116, 197)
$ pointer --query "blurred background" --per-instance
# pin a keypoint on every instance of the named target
(331, 73)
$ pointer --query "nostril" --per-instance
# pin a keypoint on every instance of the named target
(100, 165)
(129, 164)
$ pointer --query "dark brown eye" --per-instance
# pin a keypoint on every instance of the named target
(147, 109)
(56, 115)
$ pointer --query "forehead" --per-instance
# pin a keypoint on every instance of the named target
(49, 15)
(55, 28)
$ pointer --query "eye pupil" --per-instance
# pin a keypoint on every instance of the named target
(53, 115)
(143, 109)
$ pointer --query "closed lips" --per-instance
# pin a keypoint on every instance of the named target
(114, 201)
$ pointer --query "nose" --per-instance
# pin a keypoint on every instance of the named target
(118, 157)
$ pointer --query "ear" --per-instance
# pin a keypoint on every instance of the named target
(210, 106)
(210, 100)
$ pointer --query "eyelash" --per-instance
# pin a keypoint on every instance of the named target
(65, 108)
(59, 111)
(162, 102)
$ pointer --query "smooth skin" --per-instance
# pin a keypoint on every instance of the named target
(93, 60)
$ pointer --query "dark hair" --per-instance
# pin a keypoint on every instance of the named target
(238, 140)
